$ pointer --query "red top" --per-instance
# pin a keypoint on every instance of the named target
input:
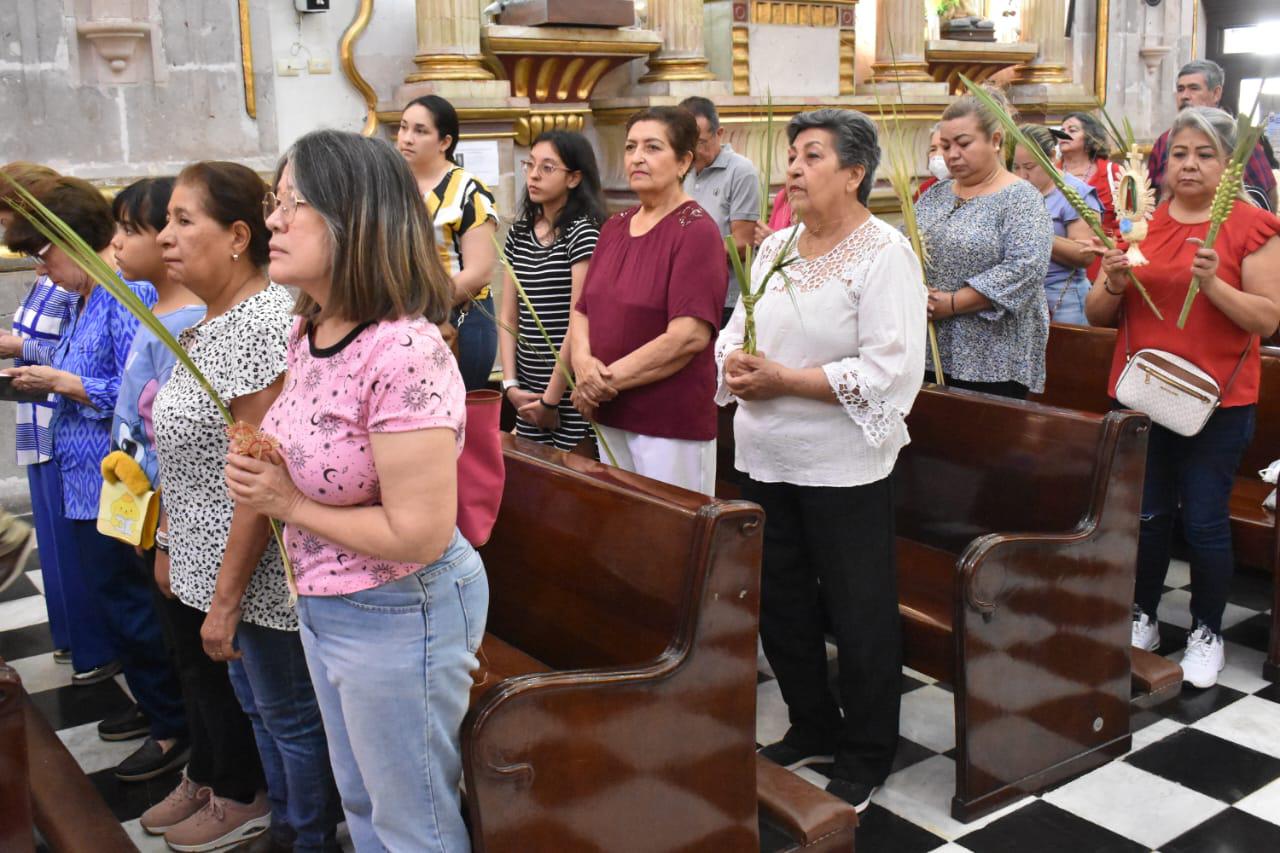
(1104, 175)
(1210, 340)
(635, 286)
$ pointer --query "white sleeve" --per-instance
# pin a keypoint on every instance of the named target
(878, 386)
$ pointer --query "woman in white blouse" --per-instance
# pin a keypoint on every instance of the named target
(819, 425)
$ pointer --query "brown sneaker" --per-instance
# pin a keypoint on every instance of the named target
(182, 802)
(220, 823)
(14, 559)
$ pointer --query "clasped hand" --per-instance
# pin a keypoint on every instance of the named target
(753, 377)
(263, 484)
(594, 382)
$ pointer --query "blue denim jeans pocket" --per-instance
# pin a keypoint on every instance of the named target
(473, 594)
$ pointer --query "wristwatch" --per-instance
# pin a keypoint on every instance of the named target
(508, 384)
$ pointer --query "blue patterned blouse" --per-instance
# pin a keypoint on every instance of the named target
(39, 321)
(95, 348)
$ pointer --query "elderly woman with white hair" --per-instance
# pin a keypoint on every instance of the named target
(820, 421)
(1239, 301)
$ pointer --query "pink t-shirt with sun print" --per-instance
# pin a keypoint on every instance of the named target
(393, 376)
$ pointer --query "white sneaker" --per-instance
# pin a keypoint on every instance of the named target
(1203, 659)
(1146, 632)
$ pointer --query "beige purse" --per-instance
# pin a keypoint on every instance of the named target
(1171, 390)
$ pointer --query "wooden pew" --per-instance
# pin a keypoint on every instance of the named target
(1078, 363)
(615, 704)
(42, 786)
(1017, 531)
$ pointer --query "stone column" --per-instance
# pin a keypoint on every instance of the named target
(1044, 22)
(900, 43)
(682, 56)
(449, 42)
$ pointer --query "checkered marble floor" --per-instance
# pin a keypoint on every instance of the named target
(1203, 775)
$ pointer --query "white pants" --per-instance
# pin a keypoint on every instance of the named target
(688, 464)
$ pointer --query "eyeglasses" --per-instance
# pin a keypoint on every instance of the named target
(546, 169)
(288, 204)
(38, 255)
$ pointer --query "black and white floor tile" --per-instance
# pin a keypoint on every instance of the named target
(1203, 775)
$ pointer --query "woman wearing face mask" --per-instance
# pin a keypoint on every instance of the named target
(989, 238)
(85, 373)
(1065, 286)
(549, 249)
(465, 218)
(650, 309)
(937, 163)
(1190, 477)
(392, 599)
(843, 366)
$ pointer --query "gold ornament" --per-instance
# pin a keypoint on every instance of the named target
(1135, 203)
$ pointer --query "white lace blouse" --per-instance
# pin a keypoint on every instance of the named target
(859, 312)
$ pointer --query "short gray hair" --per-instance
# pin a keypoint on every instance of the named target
(1212, 122)
(1212, 71)
(857, 143)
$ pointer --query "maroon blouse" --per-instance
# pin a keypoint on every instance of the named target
(635, 286)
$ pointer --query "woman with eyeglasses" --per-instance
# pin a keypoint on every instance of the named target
(465, 218)
(84, 373)
(549, 248)
(220, 558)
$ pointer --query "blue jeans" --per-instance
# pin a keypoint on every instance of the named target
(392, 668)
(274, 688)
(117, 580)
(477, 343)
(1192, 476)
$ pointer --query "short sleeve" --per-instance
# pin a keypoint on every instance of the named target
(260, 352)
(582, 241)
(582, 306)
(418, 385)
(478, 206)
(1251, 227)
(744, 194)
(699, 275)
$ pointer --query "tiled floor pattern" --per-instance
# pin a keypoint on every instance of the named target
(1203, 775)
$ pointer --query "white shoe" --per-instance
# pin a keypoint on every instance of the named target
(1203, 659)
(1146, 632)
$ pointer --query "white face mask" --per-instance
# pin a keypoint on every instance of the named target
(938, 167)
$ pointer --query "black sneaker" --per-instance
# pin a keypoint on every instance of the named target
(150, 760)
(856, 794)
(96, 675)
(126, 725)
(791, 757)
(62, 655)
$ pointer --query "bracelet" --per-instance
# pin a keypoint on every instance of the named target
(552, 406)
(162, 541)
(1107, 281)
(953, 303)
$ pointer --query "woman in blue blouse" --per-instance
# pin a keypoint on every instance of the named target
(85, 375)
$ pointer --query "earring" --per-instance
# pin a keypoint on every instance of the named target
(235, 256)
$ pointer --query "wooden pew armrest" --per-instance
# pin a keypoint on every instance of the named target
(816, 820)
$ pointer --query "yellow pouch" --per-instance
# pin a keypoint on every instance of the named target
(128, 508)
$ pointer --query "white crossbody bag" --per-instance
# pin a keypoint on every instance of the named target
(1170, 390)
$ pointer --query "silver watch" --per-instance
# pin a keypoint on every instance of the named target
(508, 384)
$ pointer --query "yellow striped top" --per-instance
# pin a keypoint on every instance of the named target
(458, 203)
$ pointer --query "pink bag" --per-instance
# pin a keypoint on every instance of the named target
(481, 471)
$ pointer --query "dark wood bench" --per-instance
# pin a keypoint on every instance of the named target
(615, 706)
(1017, 531)
(43, 788)
(1078, 363)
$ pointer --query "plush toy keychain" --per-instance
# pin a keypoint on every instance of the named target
(1135, 203)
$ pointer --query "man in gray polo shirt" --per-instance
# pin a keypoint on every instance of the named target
(725, 183)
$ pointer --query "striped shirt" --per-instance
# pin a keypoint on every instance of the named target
(40, 320)
(459, 203)
(546, 274)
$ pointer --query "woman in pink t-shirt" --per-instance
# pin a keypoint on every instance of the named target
(370, 424)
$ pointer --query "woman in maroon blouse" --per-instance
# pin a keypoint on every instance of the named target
(642, 330)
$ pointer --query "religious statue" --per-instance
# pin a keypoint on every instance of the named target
(1135, 203)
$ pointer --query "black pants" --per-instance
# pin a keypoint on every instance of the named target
(830, 551)
(1192, 476)
(1013, 390)
(224, 755)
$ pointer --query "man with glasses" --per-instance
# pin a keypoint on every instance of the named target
(726, 185)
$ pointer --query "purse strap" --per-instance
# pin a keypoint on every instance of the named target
(1248, 345)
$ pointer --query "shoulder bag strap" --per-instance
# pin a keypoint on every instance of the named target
(1239, 366)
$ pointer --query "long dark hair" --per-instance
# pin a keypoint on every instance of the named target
(443, 116)
(144, 204)
(586, 199)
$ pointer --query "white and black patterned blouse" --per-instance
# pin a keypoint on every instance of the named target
(240, 352)
(999, 245)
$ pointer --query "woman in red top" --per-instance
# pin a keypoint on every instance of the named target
(642, 330)
(1239, 301)
(1086, 154)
